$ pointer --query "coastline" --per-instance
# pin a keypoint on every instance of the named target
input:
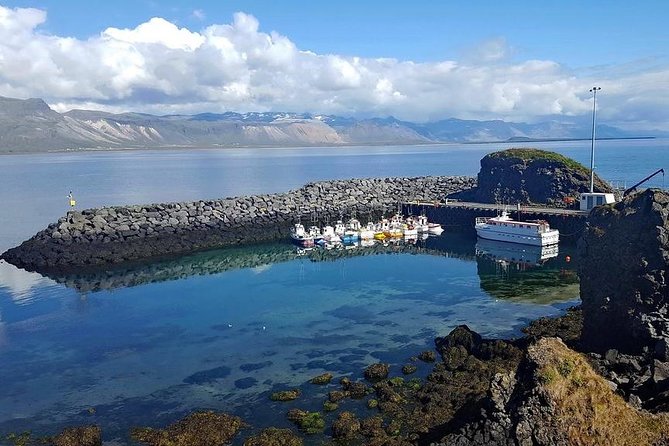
(388, 144)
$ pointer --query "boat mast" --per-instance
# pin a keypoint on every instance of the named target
(594, 91)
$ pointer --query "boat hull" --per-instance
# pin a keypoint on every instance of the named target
(544, 239)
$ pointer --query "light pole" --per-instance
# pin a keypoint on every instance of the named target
(594, 91)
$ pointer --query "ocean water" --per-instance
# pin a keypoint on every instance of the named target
(222, 329)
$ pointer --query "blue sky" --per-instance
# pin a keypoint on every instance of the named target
(533, 60)
(576, 33)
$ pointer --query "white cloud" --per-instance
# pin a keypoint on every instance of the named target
(199, 14)
(158, 67)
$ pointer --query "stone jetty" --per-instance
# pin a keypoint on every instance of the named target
(96, 237)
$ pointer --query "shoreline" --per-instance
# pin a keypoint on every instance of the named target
(309, 146)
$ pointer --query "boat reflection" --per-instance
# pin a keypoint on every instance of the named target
(498, 263)
(515, 253)
(538, 274)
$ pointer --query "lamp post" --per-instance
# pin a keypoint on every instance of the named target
(594, 91)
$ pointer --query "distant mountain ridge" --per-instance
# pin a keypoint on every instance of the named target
(30, 125)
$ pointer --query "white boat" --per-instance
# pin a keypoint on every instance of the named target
(300, 236)
(315, 232)
(340, 228)
(367, 233)
(502, 228)
(422, 224)
(410, 231)
(352, 231)
(434, 228)
(329, 234)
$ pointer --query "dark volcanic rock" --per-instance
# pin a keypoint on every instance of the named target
(274, 437)
(197, 429)
(377, 372)
(532, 176)
(624, 255)
(78, 436)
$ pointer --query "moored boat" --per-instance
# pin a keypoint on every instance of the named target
(300, 236)
(503, 228)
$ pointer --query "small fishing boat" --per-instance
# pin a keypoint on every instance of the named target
(352, 231)
(502, 228)
(300, 236)
(368, 232)
(329, 234)
(422, 224)
(410, 231)
(315, 233)
(340, 228)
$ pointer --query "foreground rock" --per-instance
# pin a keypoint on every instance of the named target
(197, 429)
(96, 237)
(556, 398)
(532, 176)
(623, 267)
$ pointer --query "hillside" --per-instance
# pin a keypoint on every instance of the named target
(32, 126)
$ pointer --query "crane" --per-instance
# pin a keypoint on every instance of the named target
(633, 188)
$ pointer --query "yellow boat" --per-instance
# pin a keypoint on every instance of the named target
(379, 236)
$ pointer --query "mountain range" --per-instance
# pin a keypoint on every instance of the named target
(30, 125)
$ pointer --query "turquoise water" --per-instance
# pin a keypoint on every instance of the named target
(141, 352)
(221, 329)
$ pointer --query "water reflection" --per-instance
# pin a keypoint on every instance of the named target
(506, 270)
(526, 273)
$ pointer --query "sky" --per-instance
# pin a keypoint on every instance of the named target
(421, 60)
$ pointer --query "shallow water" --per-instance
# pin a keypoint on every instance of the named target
(233, 327)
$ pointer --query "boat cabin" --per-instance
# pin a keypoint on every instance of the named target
(591, 199)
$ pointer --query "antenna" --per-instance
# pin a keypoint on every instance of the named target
(594, 91)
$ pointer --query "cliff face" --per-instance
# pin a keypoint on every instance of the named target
(623, 269)
(532, 176)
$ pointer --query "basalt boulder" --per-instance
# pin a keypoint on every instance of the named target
(623, 270)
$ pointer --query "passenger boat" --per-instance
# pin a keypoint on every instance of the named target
(300, 236)
(502, 228)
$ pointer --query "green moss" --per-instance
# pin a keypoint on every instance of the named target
(285, 395)
(325, 378)
(329, 406)
(398, 381)
(372, 403)
(408, 369)
(415, 384)
(536, 154)
(312, 423)
(22, 439)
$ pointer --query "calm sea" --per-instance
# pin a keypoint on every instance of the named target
(224, 328)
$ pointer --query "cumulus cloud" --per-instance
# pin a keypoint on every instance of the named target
(159, 67)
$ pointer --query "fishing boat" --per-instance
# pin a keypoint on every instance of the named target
(300, 236)
(368, 232)
(315, 233)
(352, 231)
(340, 228)
(329, 235)
(410, 231)
(422, 224)
(502, 228)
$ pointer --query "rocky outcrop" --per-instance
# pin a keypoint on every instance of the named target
(623, 270)
(96, 237)
(532, 176)
(555, 398)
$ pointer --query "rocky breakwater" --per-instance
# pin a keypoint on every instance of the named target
(97, 237)
(532, 176)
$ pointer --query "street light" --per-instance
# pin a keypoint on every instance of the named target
(594, 91)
